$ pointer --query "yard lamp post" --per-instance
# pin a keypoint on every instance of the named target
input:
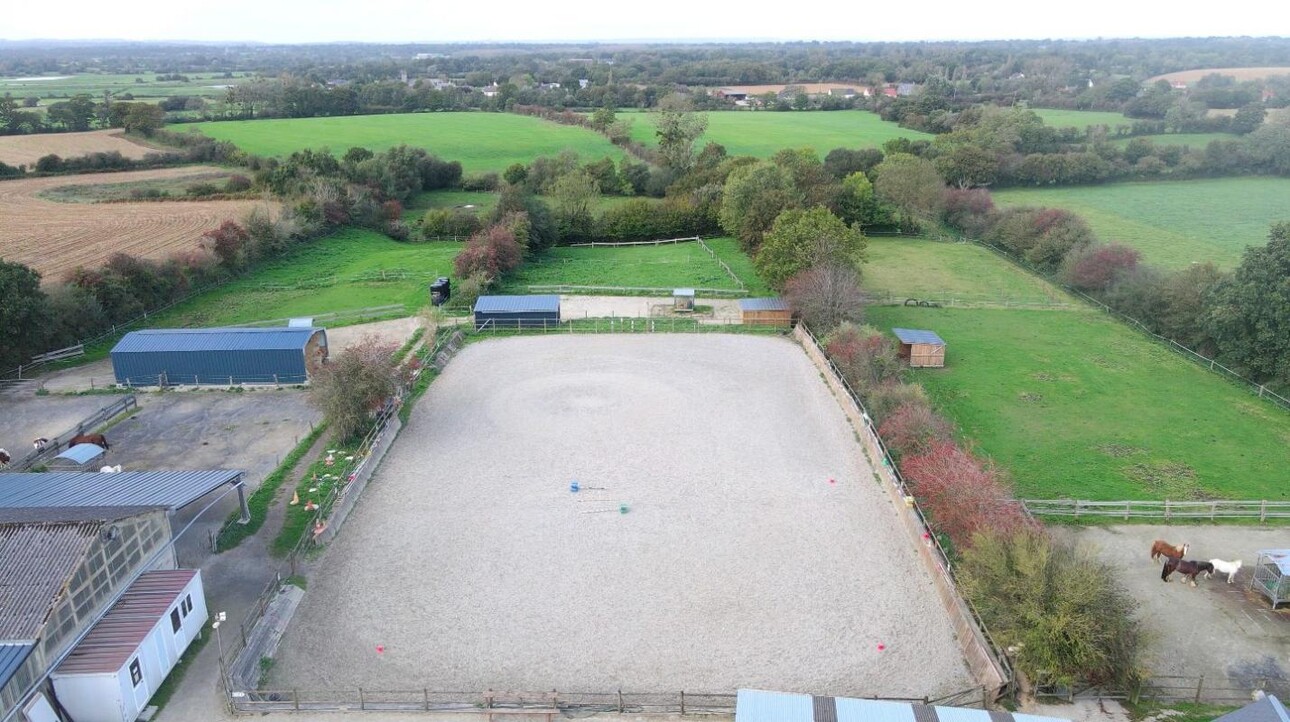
(219, 642)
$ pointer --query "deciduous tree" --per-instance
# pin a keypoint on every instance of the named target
(912, 185)
(825, 296)
(800, 239)
(677, 128)
(24, 314)
(1250, 312)
(353, 384)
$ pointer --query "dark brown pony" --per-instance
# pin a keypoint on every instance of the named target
(1162, 548)
(1188, 569)
(4, 458)
(98, 440)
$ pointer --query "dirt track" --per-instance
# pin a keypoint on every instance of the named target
(27, 149)
(54, 238)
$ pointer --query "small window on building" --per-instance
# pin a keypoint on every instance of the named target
(188, 603)
(136, 673)
(175, 622)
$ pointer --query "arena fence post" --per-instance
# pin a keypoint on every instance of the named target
(620, 701)
(362, 703)
(682, 703)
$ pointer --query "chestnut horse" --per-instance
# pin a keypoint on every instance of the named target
(1188, 569)
(98, 440)
(1163, 548)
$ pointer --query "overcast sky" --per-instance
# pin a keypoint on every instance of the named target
(305, 21)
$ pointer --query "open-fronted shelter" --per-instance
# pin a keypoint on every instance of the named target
(922, 349)
(219, 356)
(171, 490)
(772, 311)
(77, 457)
(517, 312)
(1271, 576)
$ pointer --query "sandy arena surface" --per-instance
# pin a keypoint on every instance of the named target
(738, 563)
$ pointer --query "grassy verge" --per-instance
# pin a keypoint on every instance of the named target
(232, 533)
(665, 266)
(939, 270)
(1177, 711)
(317, 483)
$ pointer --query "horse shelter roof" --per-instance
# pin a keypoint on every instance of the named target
(82, 453)
(917, 335)
(171, 489)
(1279, 557)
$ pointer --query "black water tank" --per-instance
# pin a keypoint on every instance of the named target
(440, 290)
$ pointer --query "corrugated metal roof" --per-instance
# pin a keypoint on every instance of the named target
(171, 489)
(754, 705)
(763, 304)
(1268, 709)
(82, 453)
(1279, 557)
(683, 292)
(214, 339)
(517, 304)
(36, 561)
(12, 655)
(915, 335)
(46, 514)
(117, 636)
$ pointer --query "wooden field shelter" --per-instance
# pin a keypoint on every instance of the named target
(683, 300)
(765, 312)
(922, 349)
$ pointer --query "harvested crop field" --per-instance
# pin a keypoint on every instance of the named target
(27, 149)
(469, 564)
(1241, 74)
(54, 238)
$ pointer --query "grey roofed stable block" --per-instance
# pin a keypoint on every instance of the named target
(914, 335)
(754, 705)
(36, 560)
(82, 453)
(215, 355)
(1268, 709)
(763, 304)
(517, 304)
(170, 489)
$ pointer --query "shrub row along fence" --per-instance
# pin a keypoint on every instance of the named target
(984, 658)
(86, 425)
(1213, 510)
(1261, 390)
(1175, 688)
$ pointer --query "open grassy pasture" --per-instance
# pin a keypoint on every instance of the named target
(936, 270)
(760, 134)
(1080, 118)
(1074, 404)
(143, 86)
(1173, 223)
(483, 142)
(319, 277)
(666, 266)
(484, 202)
(1197, 141)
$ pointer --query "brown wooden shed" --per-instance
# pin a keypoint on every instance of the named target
(765, 312)
(922, 349)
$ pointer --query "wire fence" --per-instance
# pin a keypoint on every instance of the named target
(1173, 688)
(53, 446)
(1213, 509)
(493, 327)
(955, 299)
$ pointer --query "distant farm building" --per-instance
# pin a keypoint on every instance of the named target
(198, 356)
(517, 312)
(765, 312)
(922, 349)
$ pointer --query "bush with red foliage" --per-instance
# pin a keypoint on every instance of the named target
(913, 428)
(228, 243)
(1095, 268)
(863, 355)
(962, 495)
(968, 209)
(391, 211)
(492, 252)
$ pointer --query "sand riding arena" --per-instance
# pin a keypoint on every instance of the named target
(726, 532)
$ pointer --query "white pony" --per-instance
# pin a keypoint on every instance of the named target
(110, 469)
(1228, 568)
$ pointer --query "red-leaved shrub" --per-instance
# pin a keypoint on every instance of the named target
(962, 495)
(913, 428)
(492, 252)
(1095, 268)
(863, 355)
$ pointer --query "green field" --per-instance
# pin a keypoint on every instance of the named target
(1173, 223)
(935, 270)
(1195, 141)
(483, 142)
(1074, 404)
(143, 86)
(484, 202)
(664, 267)
(760, 134)
(318, 278)
(1080, 118)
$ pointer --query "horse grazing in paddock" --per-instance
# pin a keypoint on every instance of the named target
(1188, 569)
(98, 440)
(1228, 568)
(1162, 548)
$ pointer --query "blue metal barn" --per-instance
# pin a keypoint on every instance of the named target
(517, 312)
(167, 357)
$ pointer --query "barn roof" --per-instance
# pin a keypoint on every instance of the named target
(117, 636)
(170, 489)
(215, 339)
(12, 655)
(753, 705)
(915, 335)
(517, 304)
(1268, 709)
(82, 453)
(773, 303)
(36, 560)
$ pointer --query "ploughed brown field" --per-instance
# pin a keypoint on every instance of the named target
(1241, 74)
(55, 238)
(27, 149)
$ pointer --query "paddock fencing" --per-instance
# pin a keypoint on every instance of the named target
(569, 290)
(1167, 510)
(86, 425)
(1173, 688)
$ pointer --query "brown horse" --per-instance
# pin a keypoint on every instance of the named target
(1188, 569)
(1162, 548)
(98, 440)
(4, 458)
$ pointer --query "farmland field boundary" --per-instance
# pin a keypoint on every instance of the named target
(1212, 510)
(984, 657)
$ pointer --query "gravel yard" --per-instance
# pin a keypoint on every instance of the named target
(471, 565)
